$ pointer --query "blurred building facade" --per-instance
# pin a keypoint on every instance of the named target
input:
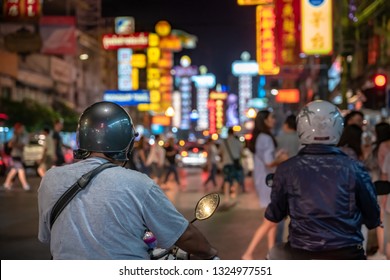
(54, 53)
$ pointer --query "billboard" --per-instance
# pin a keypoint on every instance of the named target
(127, 98)
(58, 35)
(265, 40)
(317, 27)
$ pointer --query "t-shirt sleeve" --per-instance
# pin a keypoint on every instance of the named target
(162, 218)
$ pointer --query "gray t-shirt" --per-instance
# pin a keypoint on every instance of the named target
(108, 219)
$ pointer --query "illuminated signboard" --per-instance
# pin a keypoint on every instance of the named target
(287, 27)
(265, 40)
(212, 118)
(171, 43)
(22, 9)
(203, 83)
(254, 2)
(317, 30)
(216, 110)
(287, 96)
(138, 60)
(138, 40)
(127, 98)
(124, 69)
(245, 68)
(124, 25)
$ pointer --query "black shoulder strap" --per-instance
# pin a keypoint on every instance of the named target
(74, 189)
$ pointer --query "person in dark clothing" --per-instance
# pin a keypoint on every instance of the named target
(60, 159)
(170, 155)
(327, 195)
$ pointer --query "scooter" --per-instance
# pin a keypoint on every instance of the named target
(204, 209)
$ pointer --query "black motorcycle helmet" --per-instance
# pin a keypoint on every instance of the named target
(105, 127)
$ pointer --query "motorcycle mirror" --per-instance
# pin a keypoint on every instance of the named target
(269, 180)
(206, 206)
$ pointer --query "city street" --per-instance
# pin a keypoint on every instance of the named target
(229, 230)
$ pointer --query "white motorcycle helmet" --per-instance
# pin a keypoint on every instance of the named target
(320, 122)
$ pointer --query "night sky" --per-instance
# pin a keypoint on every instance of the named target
(223, 28)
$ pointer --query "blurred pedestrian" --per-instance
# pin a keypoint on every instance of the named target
(354, 117)
(156, 160)
(288, 139)
(170, 155)
(212, 161)
(141, 151)
(385, 205)
(381, 149)
(17, 143)
(233, 174)
(263, 146)
(59, 145)
(49, 151)
(351, 144)
(351, 141)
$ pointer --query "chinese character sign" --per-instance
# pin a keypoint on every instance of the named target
(265, 40)
(22, 9)
(317, 27)
(287, 27)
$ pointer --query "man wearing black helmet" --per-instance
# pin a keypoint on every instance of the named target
(108, 219)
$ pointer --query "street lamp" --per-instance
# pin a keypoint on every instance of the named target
(251, 113)
(170, 113)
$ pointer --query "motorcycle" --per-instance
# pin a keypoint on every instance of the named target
(204, 209)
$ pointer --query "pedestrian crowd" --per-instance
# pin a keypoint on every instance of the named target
(343, 155)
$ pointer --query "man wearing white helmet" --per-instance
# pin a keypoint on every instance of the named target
(327, 195)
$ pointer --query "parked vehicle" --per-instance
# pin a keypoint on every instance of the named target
(33, 151)
(192, 155)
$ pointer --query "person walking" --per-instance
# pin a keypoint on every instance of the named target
(170, 156)
(380, 150)
(58, 126)
(108, 219)
(141, 151)
(17, 143)
(315, 189)
(212, 154)
(233, 174)
(48, 156)
(385, 206)
(263, 146)
(156, 160)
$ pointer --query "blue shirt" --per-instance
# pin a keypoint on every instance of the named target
(108, 219)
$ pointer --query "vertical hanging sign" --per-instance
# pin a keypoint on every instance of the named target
(265, 40)
(287, 14)
(317, 27)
